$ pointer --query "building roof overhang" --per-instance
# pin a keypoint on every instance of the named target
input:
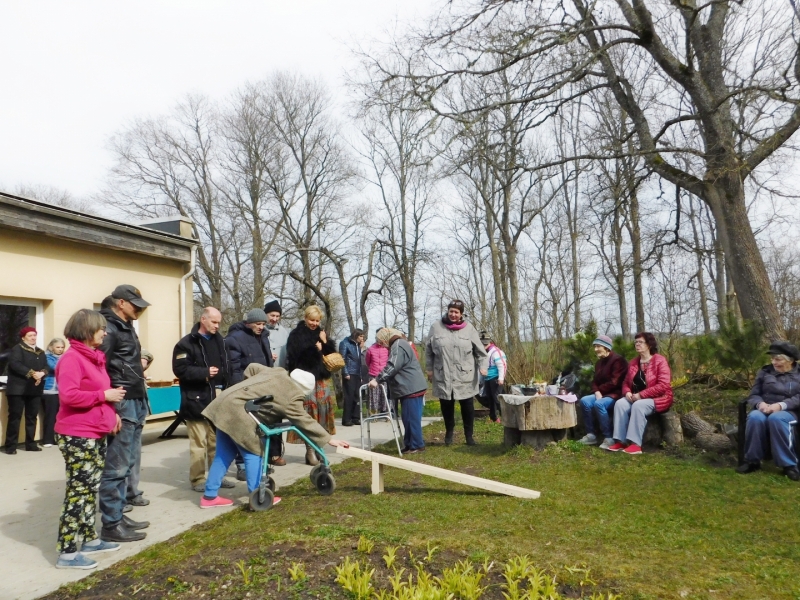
(44, 219)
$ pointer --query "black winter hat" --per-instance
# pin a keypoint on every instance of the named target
(273, 306)
(786, 348)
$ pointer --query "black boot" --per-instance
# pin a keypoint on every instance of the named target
(448, 438)
(120, 533)
(134, 525)
(792, 473)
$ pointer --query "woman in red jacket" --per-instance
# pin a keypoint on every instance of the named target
(646, 390)
(86, 415)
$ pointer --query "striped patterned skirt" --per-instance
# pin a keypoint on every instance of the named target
(320, 405)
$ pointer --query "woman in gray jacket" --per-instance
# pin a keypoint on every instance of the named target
(454, 358)
(406, 383)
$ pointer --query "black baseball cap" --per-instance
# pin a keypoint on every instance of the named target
(785, 348)
(131, 294)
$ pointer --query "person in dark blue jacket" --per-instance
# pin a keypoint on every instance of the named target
(775, 405)
(248, 343)
(350, 349)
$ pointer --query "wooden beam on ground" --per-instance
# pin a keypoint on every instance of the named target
(381, 460)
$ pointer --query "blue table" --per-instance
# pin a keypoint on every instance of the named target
(165, 400)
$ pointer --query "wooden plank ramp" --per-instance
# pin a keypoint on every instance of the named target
(381, 460)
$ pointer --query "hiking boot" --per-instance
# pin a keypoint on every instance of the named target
(99, 547)
(607, 443)
(217, 502)
(589, 439)
(134, 525)
(139, 501)
(278, 461)
(792, 473)
(616, 447)
(120, 533)
(633, 449)
(311, 457)
(748, 468)
(79, 561)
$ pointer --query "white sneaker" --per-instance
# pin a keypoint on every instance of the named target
(589, 439)
(47, 445)
(606, 443)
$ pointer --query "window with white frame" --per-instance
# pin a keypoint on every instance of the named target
(16, 313)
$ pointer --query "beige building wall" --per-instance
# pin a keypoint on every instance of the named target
(66, 276)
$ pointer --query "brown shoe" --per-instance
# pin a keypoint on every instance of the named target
(278, 461)
(311, 457)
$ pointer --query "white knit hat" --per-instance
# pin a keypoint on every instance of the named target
(304, 378)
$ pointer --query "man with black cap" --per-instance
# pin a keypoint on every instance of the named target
(775, 408)
(278, 334)
(124, 365)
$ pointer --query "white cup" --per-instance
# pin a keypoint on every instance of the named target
(552, 390)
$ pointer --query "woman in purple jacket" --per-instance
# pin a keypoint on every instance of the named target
(609, 373)
(85, 417)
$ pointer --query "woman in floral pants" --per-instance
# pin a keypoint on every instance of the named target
(85, 417)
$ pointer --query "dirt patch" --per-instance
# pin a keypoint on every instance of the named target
(279, 570)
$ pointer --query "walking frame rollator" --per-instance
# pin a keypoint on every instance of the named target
(389, 415)
(321, 476)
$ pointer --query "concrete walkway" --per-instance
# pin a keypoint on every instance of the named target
(32, 492)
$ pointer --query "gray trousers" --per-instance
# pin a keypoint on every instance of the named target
(631, 419)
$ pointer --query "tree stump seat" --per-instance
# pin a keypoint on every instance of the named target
(535, 421)
(661, 428)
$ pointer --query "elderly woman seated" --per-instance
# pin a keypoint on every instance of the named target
(775, 403)
(609, 373)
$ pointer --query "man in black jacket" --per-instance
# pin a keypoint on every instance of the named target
(200, 362)
(248, 342)
(124, 366)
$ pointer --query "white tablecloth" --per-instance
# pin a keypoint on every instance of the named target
(516, 400)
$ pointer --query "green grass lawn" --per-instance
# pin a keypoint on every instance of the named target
(659, 525)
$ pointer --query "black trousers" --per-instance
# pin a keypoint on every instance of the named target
(16, 405)
(491, 389)
(350, 388)
(50, 411)
(467, 415)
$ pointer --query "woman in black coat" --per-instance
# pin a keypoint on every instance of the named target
(27, 368)
(306, 346)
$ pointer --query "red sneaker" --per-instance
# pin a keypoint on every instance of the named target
(214, 502)
(276, 500)
(616, 447)
(632, 449)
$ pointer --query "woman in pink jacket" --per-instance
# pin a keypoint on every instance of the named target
(376, 358)
(647, 389)
(85, 417)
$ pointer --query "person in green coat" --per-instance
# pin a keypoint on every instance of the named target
(236, 430)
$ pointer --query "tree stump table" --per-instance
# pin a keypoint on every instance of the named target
(536, 420)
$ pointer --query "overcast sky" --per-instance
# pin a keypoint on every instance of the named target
(73, 73)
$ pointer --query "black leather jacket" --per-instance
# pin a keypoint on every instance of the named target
(123, 356)
(190, 363)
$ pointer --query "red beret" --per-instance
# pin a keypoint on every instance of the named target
(25, 331)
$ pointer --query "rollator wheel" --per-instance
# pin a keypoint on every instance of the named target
(272, 485)
(261, 499)
(325, 484)
(315, 473)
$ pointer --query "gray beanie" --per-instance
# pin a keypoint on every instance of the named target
(256, 316)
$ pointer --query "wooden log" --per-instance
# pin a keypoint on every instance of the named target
(713, 442)
(431, 471)
(693, 425)
(673, 432)
(536, 439)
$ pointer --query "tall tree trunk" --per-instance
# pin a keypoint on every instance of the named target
(616, 238)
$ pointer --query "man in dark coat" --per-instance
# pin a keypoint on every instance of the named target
(124, 365)
(248, 343)
(200, 363)
(350, 349)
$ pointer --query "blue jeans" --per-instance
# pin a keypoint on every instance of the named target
(591, 405)
(770, 432)
(226, 452)
(121, 458)
(412, 422)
